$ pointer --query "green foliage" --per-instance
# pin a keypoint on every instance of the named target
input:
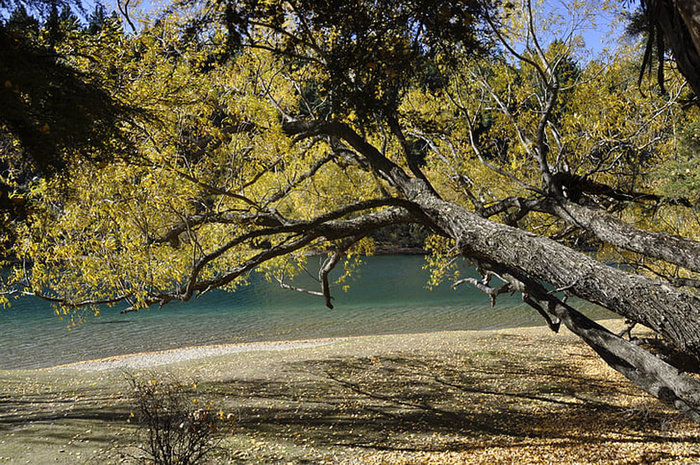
(679, 177)
(212, 187)
(50, 106)
(484, 126)
(366, 53)
(211, 158)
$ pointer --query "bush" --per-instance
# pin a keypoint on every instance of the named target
(175, 427)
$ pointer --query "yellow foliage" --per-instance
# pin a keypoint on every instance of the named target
(211, 154)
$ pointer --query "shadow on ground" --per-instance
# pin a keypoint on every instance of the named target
(501, 401)
(470, 402)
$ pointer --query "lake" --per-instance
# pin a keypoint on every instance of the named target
(388, 295)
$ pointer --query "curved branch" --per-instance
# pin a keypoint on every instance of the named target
(387, 169)
(668, 247)
(497, 31)
(190, 221)
(475, 146)
(289, 287)
(216, 190)
(306, 232)
(301, 178)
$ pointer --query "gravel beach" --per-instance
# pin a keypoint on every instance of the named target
(166, 357)
(519, 395)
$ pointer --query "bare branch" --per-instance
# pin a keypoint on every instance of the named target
(553, 324)
(75, 304)
(330, 263)
(289, 287)
(493, 292)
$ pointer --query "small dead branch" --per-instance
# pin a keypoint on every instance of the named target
(483, 286)
(628, 329)
(289, 287)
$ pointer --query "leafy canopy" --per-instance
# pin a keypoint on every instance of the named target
(216, 186)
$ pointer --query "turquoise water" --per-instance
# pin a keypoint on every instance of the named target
(387, 296)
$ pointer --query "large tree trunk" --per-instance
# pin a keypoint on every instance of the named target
(663, 308)
(534, 259)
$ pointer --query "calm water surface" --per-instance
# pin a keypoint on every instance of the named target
(388, 295)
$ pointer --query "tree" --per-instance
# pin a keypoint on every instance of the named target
(673, 26)
(49, 109)
(307, 128)
(55, 109)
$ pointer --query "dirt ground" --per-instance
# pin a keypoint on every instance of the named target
(506, 396)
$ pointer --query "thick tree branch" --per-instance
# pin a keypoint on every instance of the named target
(329, 230)
(387, 169)
(668, 247)
(646, 370)
(653, 303)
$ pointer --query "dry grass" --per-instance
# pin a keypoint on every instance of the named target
(511, 396)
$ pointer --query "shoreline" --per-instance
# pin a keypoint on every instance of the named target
(154, 358)
(169, 356)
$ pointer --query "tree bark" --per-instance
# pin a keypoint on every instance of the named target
(671, 312)
(668, 247)
(647, 371)
(663, 308)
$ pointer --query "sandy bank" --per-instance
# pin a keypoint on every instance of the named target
(519, 395)
(166, 357)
